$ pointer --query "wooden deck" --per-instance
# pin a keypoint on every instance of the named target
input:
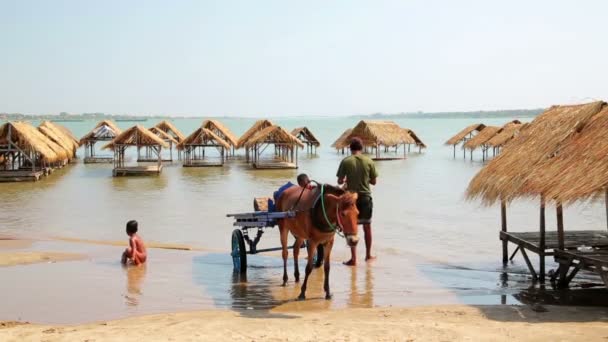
(138, 170)
(20, 176)
(152, 160)
(98, 160)
(530, 241)
(203, 163)
(388, 158)
(274, 165)
(571, 262)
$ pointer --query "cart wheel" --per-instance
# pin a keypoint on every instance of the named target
(239, 254)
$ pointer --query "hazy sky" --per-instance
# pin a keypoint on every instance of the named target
(299, 57)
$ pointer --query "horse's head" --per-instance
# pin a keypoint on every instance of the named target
(347, 215)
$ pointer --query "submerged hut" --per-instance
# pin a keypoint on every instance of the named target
(170, 129)
(305, 136)
(417, 141)
(105, 130)
(463, 136)
(342, 142)
(224, 133)
(253, 130)
(379, 134)
(195, 144)
(139, 137)
(149, 153)
(27, 154)
(560, 158)
(285, 145)
(481, 140)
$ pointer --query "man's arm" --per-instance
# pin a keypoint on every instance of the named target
(341, 174)
(373, 174)
(372, 181)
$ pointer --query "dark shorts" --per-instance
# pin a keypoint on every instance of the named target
(365, 205)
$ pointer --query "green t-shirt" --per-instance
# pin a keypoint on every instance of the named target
(358, 170)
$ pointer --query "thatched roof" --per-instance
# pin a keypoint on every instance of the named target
(222, 131)
(28, 138)
(163, 135)
(273, 134)
(306, 135)
(168, 127)
(342, 140)
(104, 130)
(136, 136)
(257, 126)
(505, 135)
(385, 133)
(417, 140)
(203, 136)
(482, 137)
(66, 131)
(463, 134)
(58, 137)
(524, 167)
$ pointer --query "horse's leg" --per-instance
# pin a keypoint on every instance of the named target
(296, 253)
(326, 255)
(283, 230)
(312, 246)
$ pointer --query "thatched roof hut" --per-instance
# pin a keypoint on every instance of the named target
(59, 137)
(467, 131)
(342, 141)
(136, 136)
(273, 135)
(482, 137)
(103, 130)
(163, 135)
(199, 140)
(22, 137)
(255, 128)
(305, 135)
(417, 140)
(285, 148)
(384, 133)
(169, 128)
(505, 135)
(221, 131)
(203, 136)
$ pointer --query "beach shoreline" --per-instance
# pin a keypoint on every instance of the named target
(428, 323)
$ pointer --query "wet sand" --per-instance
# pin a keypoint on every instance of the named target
(25, 258)
(436, 323)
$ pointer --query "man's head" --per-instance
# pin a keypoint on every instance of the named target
(131, 227)
(303, 180)
(356, 145)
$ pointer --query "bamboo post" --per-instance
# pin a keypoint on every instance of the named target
(606, 200)
(541, 252)
(560, 226)
(503, 223)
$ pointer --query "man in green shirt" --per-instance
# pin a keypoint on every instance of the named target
(358, 171)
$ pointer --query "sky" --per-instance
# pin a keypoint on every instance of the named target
(277, 57)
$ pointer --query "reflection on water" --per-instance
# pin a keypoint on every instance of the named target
(135, 277)
(363, 297)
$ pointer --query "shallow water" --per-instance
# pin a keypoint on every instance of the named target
(433, 246)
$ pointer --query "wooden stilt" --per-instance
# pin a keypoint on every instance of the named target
(541, 246)
(560, 226)
(503, 222)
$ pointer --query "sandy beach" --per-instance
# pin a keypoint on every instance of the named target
(436, 323)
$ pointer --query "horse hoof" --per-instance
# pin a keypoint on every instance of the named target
(301, 297)
(328, 296)
(284, 284)
(297, 280)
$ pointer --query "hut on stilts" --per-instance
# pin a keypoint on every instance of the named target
(254, 129)
(149, 154)
(105, 130)
(417, 142)
(379, 135)
(26, 153)
(139, 137)
(342, 142)
(507, 134)
(481, 140)
(285, 145)
(170, 129)
(465, 135)
(194, 147)
(560, 157)
(305, 136)
(224, 133)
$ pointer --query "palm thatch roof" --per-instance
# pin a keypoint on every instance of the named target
(273, 135)
(463, 134)
(482, 137)
(342, 140)
(305, 135)
(163, 135)
(523, 168)
(257, 126)
(136, 136)
(505, 135)
(221, 131)
(417, 140)
(59, 138)
(386, 133)
(203, 136)
(27, 138)
(168, 127)
(66, 131)
(104, 130)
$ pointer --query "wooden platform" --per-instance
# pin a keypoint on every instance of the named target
(203, 163)
(20, 176)
(137, 170)
(98, 160)
(152, 160)
(388, 158)
(571, 262)
(274, 166)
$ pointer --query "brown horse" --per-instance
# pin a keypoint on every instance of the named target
(316, 225)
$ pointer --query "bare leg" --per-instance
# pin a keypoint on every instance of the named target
(312, 246)
(326, 265)
(367, 231)
(283, 230)
(296, 254)
(353, 257)
(126, 255)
